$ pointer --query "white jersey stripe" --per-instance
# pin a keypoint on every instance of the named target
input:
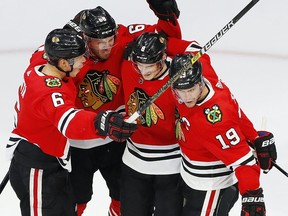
(152, 159)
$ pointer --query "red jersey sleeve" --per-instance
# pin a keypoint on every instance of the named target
(247, 127)
(135, 30)
(58, 106)
(169, 28)
(178, 46)
(248, 177)
(37, 57)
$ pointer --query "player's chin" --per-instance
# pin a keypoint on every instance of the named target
(148, 76)
(74, 72)
(104, 54)
(190, 104)
(104, 57)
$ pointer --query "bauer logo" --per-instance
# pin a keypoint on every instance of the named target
(252, 200)
(103, 120)
(268, 142)
(219, 35)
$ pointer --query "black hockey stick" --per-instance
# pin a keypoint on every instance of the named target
(279, 168)
(4, 182)
(223, 31)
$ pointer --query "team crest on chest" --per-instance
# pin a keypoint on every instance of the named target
(98, 88)
(151, 115)
(214, 114)
(53, 82)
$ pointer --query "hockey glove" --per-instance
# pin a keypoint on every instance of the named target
(112, 124)
(74, 23)
(265, 149)
(164, 9)
(253, 203)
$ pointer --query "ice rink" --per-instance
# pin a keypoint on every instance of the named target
(252, 59)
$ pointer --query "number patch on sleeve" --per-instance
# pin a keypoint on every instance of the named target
(136, 28)
(57, 99)
(231, 136)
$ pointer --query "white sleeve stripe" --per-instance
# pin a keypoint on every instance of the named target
(65, 120)
(248, 159)
(193, 47)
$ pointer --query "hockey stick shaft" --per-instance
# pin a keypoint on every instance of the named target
(279, 168)
(211, 42)
(4, 182)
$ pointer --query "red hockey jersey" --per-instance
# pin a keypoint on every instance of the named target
(215, 144)
(177, 46)
(99, 83)
(153, 148)
(46, 113)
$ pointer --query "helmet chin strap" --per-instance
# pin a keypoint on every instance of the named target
(71, 63)
(201, 85)
(66, 72)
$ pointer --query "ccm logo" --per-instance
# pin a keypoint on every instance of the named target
(268, 142)
(252, 199)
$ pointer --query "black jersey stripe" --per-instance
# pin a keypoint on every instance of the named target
(208, 175)
(66, 119)
(14, 139)
(168, 157)
(203, 167)
(155, 151)
(248, 160)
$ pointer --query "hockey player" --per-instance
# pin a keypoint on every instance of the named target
(46, 117)
(175, 46)
(151, 161)
(99, 87)
(215, 155)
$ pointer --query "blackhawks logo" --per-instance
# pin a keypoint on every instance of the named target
(151, 115)
(98, 88)
(214, 114)
(53, 82)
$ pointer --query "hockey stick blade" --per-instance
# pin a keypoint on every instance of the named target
(279, 168)
(198, 55)
(4, 182)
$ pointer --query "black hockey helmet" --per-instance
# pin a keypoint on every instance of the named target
(63, 44)
(191, 76)
(149, 48)
(97, 23)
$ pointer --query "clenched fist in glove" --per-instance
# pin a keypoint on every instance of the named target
(164, 9)
(265, 149)
(253, 203)
(112, 124)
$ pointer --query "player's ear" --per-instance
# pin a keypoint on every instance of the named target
(63, 64)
